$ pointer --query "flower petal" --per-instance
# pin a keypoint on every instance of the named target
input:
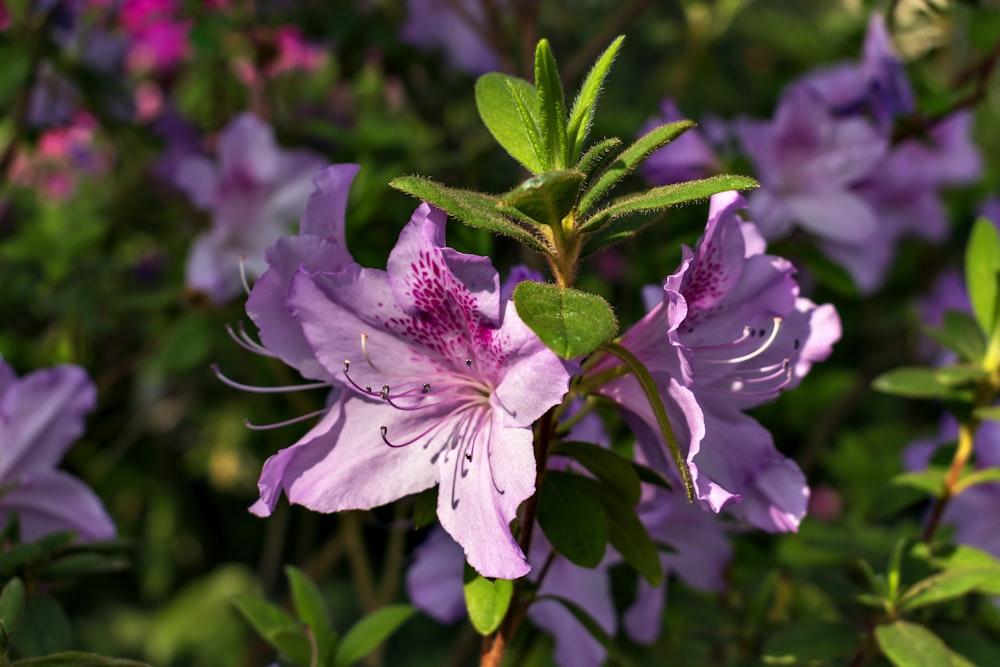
(326, 210)
(47, 501)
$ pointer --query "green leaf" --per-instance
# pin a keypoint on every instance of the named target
(597, 154)
(545, 198)
(907, 644)
(650, 476)
(571, 515)
(570, 322)
(365, 635)
(487, 601)
(592, 627)
(82, 564)
(551, 108)
(425, 508)
(473, 208)
(276, 626)
(44, 628)
(961, 333)
(917, 382)
(630, 538)
(930, 480)
(667, 196)
(629, 159)
(581, 116)
(608, 466)
(77, 659)
(11, 609)
(948, 585)
(990, 412)
(509, 109)
(956, 556)
(982, 270)
(312, 610)
(960, 374)
(803, 642)
(983, 476)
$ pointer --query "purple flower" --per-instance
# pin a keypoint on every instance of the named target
(253, 192)
(460, 28)
(876, 86)
(686, 158)
(728, 332)
(701, 554)
(441, 383)
(990, 210)
(41, 415)
(809, 163)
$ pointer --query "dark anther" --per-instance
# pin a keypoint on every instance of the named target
(753, 332)
(384, 393)
(796, 344)
(468, 456)
(368, 388)
(347, 365)
(468, 362)
(427, 387)
(384, 430)
(762, 332)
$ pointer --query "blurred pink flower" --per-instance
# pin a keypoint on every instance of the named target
(159, 36)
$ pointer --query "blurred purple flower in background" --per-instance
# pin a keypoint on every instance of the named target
(828, 162)
(459, 27)
(442, 383)
(727, 332)
(41, 415)
(686, 158)
(253, 191)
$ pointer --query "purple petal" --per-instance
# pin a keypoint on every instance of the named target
(326, 211)
(434, 581)
(199, 180)
(248, 151)
(213, 267)
(837, 216)
(479, 498)
(48, 501)
(40, 417)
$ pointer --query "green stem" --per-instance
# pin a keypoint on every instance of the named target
(653, 396)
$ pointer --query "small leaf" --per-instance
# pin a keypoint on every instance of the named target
(961, 333)
(572, 517)
(44, 628)
(487, 601)
(907, 644)
(551, 108)
(509, 109)
(960, 374)
(597, 154)
(312, 610)
(630, 538)
(581, 116)
(545, 198)
(82, 564)
(629, 159)
(473, 208)
(667, 196)
(917, 382)
(608, 466)
(77, 659)
(956, 556)
(570, 322)
(592, 627)
(984, 476)
(930, 480)
(425, 508)
(803, 642)
(982, 270)
(11, 609)
(990, 412)
(947, 585)
(365, 635)
(276, 626)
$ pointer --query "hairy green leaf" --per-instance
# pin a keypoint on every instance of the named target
(581, 116)
(629, 159)
(570, 322)
(473, 208)
(545, 198)
(551, 108)
(597, 154)
(572, 518)
(948, 585)
(486, 600)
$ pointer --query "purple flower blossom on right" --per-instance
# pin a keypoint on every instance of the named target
(726, 332)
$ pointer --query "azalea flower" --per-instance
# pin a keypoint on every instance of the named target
(253, 192)
(441, 382)
(459, 28)
(41, 415)
(726, 332)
